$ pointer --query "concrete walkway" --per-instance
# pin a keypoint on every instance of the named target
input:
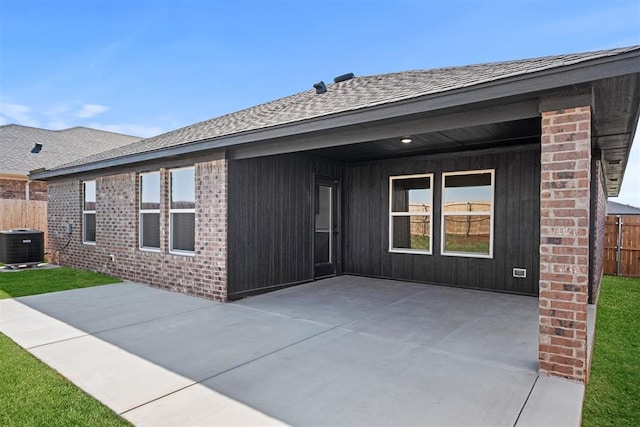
(344, 351)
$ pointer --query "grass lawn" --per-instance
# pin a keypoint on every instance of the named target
(31, 393)
(32, 282)
(468, 244)
(419, 242)
(613, 393)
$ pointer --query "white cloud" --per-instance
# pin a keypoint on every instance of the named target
(91, 110)
(17, 113)
(63, 115)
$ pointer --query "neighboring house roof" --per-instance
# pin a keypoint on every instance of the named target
(58, 146)
(366, 99)
(614, 208)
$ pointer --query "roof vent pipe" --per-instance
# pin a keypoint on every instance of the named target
(320, 87)
(343, 78)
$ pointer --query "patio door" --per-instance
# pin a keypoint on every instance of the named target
(326, 227)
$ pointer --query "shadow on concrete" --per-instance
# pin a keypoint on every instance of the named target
(341, 351)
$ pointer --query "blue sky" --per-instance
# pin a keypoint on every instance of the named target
(144, 67)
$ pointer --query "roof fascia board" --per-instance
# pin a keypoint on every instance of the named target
(534, 81)
(149, 162)
(13, 176)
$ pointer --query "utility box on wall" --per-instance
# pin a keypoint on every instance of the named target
(21, 246)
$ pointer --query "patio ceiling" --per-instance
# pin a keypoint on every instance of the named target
(460, 139)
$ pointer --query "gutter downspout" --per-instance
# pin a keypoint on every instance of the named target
(26, 189)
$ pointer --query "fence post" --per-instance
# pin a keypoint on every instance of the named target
(619, 245)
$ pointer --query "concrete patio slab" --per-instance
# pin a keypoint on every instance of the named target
(198, 405)
(553, 402)
(337, 301)
(344, 351)
(203, 343)
(345, 378)
(116, 377)
(30, 328)
(497, 328)
(101, 308)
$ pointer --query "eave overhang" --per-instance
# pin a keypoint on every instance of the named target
(452, 108)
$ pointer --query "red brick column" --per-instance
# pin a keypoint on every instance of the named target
(564, 241)
(210, 278)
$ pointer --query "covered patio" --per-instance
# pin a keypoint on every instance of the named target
(347, 350)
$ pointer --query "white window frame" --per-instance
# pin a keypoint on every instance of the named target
(172, 211)
(86, 212)
(401, 214)
(147, 211)
(478, 213)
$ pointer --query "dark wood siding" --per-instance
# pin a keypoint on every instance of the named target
(270, 221)
(516, 222)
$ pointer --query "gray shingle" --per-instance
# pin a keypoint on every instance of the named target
(614, 208)
(351, 95)
(58, 146)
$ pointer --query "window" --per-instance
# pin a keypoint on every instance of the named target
(410, 201)
(467, 213)
(89, 212)
(182, 211)
(150, 211)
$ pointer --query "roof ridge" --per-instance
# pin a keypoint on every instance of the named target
(68, 129)
(24, 126)
(613, 51)
(96, 130)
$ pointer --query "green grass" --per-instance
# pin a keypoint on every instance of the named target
(469, 244)
(419, 242)
(33, 282)
(613, 393)
(33, 394)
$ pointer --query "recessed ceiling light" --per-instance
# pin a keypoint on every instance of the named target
(406, 140)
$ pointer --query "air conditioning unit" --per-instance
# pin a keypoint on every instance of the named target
(21, 246)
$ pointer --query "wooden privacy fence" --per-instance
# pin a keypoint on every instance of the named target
(622, 245)
(465, 225)
(15, 213)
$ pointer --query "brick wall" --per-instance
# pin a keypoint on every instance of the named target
(38, 190)
(564, 241)
(12, 189)
(203, 274)
(16, 189)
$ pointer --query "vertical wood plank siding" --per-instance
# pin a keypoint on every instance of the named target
(516, 222)
(270, 221)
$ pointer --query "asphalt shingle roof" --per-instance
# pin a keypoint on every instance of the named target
(614, 208)
(351, 95)
(58, 146)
